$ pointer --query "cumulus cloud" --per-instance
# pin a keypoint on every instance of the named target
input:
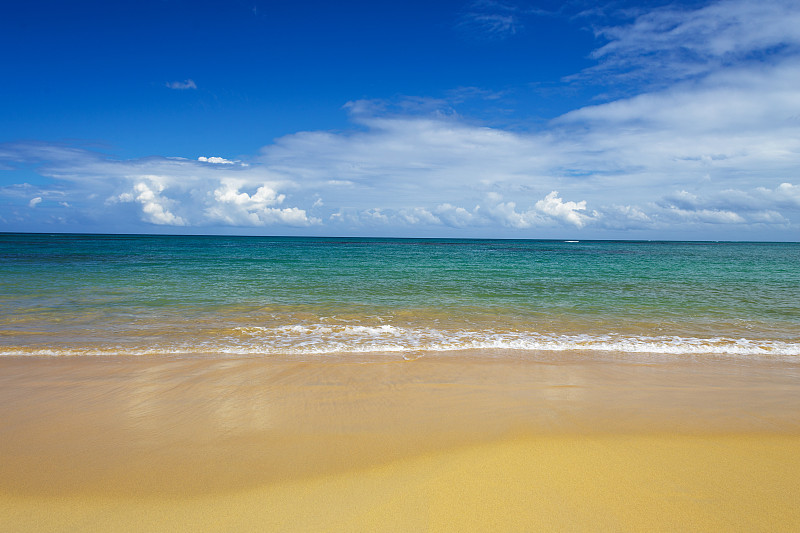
(548, 212)
(35, 201)
(182, 85)
(155, 208)
(165, 191)
(217, 160)
(457, 217)
(555, 207)
(784, 195)
(237, 208)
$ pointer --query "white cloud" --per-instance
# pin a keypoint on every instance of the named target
(546, 212)
(458, 217)
(154, 206)
(753, 97)
(419, 215)
(785, 195)
(555, 207)
(716, 139)
(236, 208)
(35, 201)
(492, 19)
(674, 43)
(182, 85)
(167, 191)
(710, 216)
(216, 160)
(506, 213)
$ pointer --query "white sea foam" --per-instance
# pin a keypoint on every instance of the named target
(348, 338)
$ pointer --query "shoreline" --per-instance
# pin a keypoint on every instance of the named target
(118, 442)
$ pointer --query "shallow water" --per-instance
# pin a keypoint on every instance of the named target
(95, 295)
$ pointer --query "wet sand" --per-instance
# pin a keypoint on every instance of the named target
(456, 442)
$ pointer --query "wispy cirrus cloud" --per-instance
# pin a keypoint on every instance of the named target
(668, 44)
(181, 85)
(491, 19)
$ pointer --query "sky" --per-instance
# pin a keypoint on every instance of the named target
(477, 119)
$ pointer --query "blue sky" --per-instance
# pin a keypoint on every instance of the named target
(640, 120)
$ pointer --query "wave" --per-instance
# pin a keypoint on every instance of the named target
(310, 339)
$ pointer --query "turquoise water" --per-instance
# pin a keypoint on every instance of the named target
(95, 294)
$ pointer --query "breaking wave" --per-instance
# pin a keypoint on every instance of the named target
(328, 339)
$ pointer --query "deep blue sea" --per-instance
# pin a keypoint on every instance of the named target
(270, 296)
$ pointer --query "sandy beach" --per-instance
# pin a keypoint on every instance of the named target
(449, 443)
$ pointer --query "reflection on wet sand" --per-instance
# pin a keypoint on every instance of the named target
(133, 425)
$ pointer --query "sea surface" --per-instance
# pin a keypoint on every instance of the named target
(271, 296)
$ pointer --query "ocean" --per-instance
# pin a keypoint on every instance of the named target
(83, 295)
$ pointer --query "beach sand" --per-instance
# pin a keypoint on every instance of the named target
(479, 441)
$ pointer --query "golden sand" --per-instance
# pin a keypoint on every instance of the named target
(446, 444)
